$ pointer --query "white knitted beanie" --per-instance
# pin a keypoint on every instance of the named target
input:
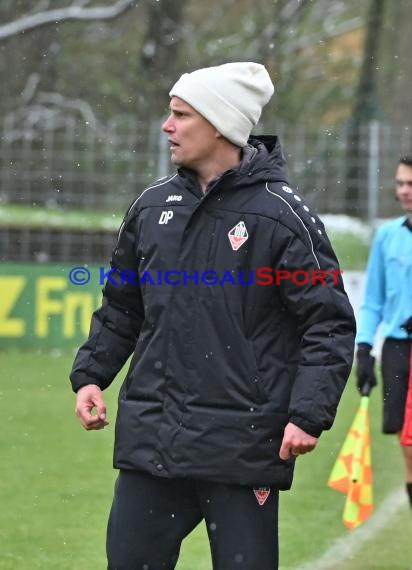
(230, 96)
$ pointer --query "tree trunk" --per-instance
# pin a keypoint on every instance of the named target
(365, 109)
(158, 66)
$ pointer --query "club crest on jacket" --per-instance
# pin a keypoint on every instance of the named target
(238, 235)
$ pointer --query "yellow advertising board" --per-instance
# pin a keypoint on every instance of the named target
(47, 305)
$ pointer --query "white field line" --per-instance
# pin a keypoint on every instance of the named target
(345, 547)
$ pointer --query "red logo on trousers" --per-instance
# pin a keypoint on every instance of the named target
(261, 494)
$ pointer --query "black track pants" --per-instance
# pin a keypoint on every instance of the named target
(151, 516)
(395, 373)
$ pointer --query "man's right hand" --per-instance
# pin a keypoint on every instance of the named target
(88, 398)
(366, 378)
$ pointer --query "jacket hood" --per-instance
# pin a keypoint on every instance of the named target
(263, 159)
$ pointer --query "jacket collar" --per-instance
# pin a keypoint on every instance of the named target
(262, 161)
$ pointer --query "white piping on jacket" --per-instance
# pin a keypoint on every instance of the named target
(300, 220)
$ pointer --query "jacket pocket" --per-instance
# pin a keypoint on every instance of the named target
(212, 246)
(256, 383)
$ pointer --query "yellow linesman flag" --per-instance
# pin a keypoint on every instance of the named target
(352, 472)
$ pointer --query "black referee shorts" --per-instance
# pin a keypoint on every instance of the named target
(395, 374)
(151, 516)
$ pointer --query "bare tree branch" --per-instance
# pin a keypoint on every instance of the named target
(30, 88)
(73, 12)
(42, 6)
(41, 111)
(81, 3)
(290, 9)
(48, 112)
(59, 102)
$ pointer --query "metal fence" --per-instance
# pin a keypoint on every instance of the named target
(323, 165)
(77, 166)
(50, 245)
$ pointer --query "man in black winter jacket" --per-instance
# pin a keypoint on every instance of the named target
(226, 289)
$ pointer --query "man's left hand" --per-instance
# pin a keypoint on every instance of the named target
(407, 325)
(296, 442)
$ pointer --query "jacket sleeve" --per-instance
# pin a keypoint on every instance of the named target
(116, 324)
(371, 311)
(325, 324)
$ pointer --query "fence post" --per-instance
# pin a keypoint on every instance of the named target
(373, 173)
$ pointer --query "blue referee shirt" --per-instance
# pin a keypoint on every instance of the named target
(388, 292)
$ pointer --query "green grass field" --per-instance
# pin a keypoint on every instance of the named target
(56, 482)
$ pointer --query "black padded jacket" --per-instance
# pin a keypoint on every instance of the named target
(227, 348)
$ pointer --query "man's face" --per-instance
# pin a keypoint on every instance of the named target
(404, 186)
(192, 138)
